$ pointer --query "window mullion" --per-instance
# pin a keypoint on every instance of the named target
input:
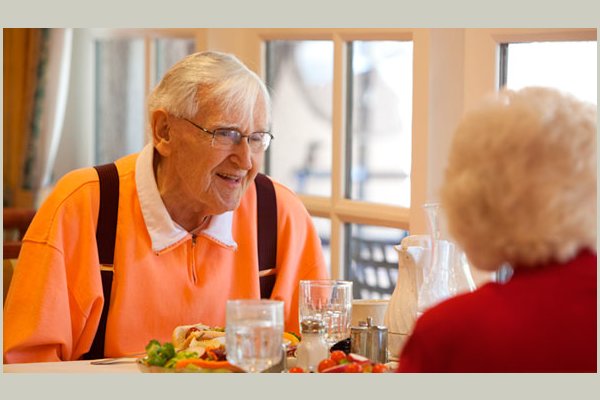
(338, 123)
(338, 172)
(337, 243)
(149, 54)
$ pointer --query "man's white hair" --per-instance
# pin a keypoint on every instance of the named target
(520, 186)
(201, 77)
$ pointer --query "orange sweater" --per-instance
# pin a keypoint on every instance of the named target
(55, 300)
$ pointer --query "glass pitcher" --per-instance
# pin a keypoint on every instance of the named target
(448, 272)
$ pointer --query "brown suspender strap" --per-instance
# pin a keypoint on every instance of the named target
(106, 232)
(266, 211)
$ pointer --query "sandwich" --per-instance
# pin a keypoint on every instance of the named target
(198, 338)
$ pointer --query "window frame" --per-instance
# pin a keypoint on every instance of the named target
(340, 210)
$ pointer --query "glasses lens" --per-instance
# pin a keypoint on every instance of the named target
(225, 138)
(258, 141)
(266, 141)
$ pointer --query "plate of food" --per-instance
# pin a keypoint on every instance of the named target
(341, 362)
(197, 348)
(193, 348)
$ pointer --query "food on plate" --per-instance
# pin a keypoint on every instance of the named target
(157, 354)
(195, 348)
(291, 338)
(192, 337)
(164, 358)
(197, 337)
(326, 364)
(379, 368)
(340, 362)
(338, 356)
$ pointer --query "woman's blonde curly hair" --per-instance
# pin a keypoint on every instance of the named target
(520, 186)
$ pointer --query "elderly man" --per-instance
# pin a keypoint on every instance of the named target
(186, 234)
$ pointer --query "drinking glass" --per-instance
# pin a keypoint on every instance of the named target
(254, 331)
(329, 301)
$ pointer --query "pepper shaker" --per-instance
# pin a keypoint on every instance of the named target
(370, 340)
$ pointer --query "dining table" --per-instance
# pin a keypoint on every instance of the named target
(125, 365)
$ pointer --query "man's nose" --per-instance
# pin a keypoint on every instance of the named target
(242, 153)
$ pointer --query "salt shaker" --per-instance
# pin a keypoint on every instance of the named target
(312, 349)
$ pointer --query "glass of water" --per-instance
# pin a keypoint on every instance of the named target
(254, 331)
(329, 301)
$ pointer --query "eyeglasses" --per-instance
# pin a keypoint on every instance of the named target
(226, 138)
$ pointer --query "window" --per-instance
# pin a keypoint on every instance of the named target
(167, 51)
(362, 123)
(567, 65)
(373, 265)
(122, 65)
(119, 99)
(300, 75)
(380, 121)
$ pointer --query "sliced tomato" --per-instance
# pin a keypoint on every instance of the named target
(326, 364)
(335, 369)
(353, 368)
(338, 356)
(379, 368)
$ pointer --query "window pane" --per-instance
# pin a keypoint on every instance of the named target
(323, 226)
(300, 76)
(380, 121)
(569, 66)
(119, 125)
(373, 262)
(167, 52)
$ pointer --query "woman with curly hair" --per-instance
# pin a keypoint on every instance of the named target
(519, 190)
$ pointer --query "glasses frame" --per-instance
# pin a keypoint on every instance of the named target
(241, 136)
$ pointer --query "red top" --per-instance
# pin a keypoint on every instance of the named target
(542, 320)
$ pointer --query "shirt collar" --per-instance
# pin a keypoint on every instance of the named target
(163, 231)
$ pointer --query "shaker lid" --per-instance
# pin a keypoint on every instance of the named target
(312, 326)
(368, 324)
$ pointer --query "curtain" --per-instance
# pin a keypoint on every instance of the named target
(21, 52)
(37, 65)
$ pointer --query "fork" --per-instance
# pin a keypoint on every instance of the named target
(117, 360)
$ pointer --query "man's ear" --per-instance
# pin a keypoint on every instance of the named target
(161, 135)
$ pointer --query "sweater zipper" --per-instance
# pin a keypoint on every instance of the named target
(193, 258)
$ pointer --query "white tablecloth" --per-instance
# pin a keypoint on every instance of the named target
(72, 366)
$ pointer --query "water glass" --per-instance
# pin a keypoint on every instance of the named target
(254, 331)
(329, 301)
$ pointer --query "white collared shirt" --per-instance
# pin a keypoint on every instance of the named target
(164, 232)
